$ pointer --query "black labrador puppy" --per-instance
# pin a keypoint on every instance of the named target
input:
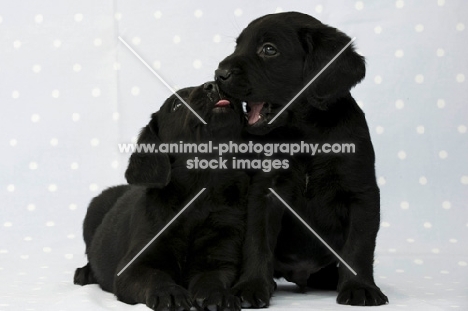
(195, 261)
(336, 194)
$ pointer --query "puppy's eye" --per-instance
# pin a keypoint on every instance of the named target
(269, 50)
(176, 104)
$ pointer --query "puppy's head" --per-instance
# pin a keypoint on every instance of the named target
(175, 122)
(276, 56)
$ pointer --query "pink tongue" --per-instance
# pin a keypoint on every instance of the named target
(222, 103)
(254, 113)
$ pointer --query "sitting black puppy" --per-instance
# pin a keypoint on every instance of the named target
(196, 260)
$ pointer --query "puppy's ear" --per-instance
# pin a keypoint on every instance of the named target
(321, 45)
(146, 167)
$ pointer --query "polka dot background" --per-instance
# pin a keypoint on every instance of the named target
(70, 92)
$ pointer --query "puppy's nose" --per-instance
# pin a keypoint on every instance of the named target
(222, 74)
(209, 86)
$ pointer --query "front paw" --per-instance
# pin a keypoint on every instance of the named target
(255, 293)
(358, 294)
(172, 297)
(205, 298)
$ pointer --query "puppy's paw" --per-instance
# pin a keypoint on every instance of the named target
(208, 299)
(255, 293)
(358, 294)
(173, 297)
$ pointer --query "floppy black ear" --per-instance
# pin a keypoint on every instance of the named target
(146, 167)
(321, 45)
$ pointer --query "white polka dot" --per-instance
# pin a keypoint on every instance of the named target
(11, 188)
(422, 180)
(440, 52)
(446, 205)
(76, 67)
(418, 261)
(96, 92)
(399, 53)
(75, 117)
(24, 257)
(78, 17)
(461, 129)
(385, 224)
(72, 207)
(156, 64)
(35, 118)
(15, 94)
(444, 272)
(377, 79)
(117, 66)
(381, 181)
(52, 187)
(401, 155)
(135, 91)
(378, 29)
(115, 164)
(1, 19)
(176, 39)
(93, 187)
(419, 78)
(440, 2)
(399, 4)
(453, 241)
(36, 68)
(39, 18)
(74, 166)
(27, 238)
(32, 165)
(31, 207)
(238, 12)
(68, 256)
(54, 142)
(319, 8)
(460, 78)
(435, 251)
(399, 271)
(55, 94)
(115, 116)
(70, 236)
(399, 104)
(462, 263)
(17, 44)
(404, 205)
(440, 103)
(57, 43)
(379, 129)
(46, 249)
(94, 142)
(443, 154)
(279, 10)
(198, 13)
(197, 64)
(13, 142)
(50, 224)
(464, 180)
(460, 27)
(392, 250)
(410, 240)
(360, 103)
(7, 224)
(359, 5)
(118, 16)
(3, 251)
(97, 42)
(427, 225)
(216, 38)
(157, 14)
(136, 40)
(419, 28)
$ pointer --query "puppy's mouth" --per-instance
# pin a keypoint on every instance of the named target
(220, 100)
(256, 112)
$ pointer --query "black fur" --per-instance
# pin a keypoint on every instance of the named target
(196, 260)
(337, 194)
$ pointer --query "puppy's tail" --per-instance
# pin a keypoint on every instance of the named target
(84, 276)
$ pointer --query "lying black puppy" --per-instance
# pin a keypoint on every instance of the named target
(336, 194)
(196, 260)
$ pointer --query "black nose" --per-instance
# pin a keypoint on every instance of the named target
(210, 86)
(222, 74)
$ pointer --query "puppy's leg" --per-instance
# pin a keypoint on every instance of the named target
(358, 252)
(84, 276)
